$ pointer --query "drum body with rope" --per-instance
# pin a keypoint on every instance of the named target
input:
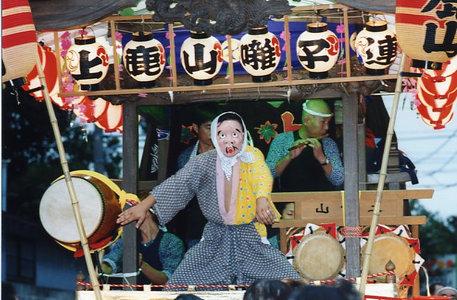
(319, 256)
(391, 247)
(99, 206)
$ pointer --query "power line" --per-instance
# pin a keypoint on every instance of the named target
(438, 148)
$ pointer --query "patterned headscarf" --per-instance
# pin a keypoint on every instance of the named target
(228, 162)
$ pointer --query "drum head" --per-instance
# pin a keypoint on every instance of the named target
(56, 212)
(319, 256)
(389, 246)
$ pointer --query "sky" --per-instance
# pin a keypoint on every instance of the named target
(434, 152)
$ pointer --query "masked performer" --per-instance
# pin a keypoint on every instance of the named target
(232, 184)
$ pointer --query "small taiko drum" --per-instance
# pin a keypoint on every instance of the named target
(319, 256)
(391, 247)
(98, 203)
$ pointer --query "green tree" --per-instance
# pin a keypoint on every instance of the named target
(28, 143)
(437, 236)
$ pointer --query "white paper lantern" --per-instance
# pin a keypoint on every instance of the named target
(317, 50)
(201, 57)
(87, 62)
(144, 58)
(260, 53)
(377, 46)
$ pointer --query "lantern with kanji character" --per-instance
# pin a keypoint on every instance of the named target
(144, 58)
(201, 57)
(376, 44)
(317, 50)
(260, 53)
(87, 62)
(426, 29)
(18, 39)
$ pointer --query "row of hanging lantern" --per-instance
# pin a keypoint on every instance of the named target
(99, 111)
(260, 52)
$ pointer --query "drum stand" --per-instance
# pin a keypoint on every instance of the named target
(68, 181)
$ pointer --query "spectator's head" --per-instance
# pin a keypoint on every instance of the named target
(343, 291)
(202, 126)
(447, 291)
(188, 297)
(293, 283)
(266, 289)
(287, 211)
(228, 134)
(435, 287)
(316, 117)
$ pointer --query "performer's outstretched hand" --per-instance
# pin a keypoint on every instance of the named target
(264, 213)
(136, 213)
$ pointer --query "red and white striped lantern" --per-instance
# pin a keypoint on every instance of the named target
(90, 110)
(436, 118)
(18, 39)
(48, 62)
(112, 119)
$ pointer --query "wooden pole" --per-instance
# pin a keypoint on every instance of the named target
(382, 179)
(230, 67)
(288, 54)
(171, 33)
(68, 181)
(347, 50)
(115, 56)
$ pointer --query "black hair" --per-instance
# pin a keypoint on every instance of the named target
(267, 289)
(343, 291)
(433, 287)
(188, 297)
(230, 116)
(204, 113)
(202, 117)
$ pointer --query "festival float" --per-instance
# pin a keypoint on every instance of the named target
(260, 63)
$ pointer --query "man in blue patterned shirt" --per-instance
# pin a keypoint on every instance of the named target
(307, 160)
(160, 254)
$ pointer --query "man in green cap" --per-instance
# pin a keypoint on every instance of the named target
(307, 159)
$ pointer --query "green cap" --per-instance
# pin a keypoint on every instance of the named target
(317, 107)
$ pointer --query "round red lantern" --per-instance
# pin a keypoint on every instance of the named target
(317, 50)
(201, 57)
(87, 62)
(111, 119)
(437, 118)
(90, 110)
(48, 62)
(144, 58)
(437, 91)
(376, 44)
(260, 53)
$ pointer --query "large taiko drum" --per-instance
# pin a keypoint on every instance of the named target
(99, 206)
(319, 256)
(391, 247)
